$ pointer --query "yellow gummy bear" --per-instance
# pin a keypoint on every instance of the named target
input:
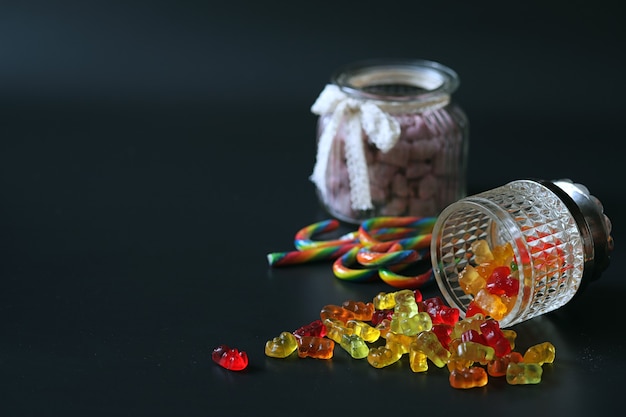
(482, 251)
(471, 281)
(491, 304)
(281, 346)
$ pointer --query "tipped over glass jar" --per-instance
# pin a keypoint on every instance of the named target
(390, 140)
(520, 250)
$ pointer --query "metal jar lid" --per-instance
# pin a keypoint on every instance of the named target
(593, 224)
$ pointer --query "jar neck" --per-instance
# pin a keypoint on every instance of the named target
(400, 85)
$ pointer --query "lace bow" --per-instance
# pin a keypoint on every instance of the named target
(359, 116)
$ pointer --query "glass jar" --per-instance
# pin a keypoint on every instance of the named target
(390, 141)
(520, 250)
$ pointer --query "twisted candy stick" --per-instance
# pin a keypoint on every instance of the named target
(385, 234)
(402, 281)
(419, 225)
(419, 242)
(347, 268)
(391, 254)
(416, 242)
(395, 251)
(323, 253)
(381, 247)
(309, 250)
(304, 236)
(386, 253)
(342, 268)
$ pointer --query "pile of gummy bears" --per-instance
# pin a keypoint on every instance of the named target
(430, 332)
(402, 322)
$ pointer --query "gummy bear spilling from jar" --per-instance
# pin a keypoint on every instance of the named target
(493, 278)
(493, 282)
(404, 324)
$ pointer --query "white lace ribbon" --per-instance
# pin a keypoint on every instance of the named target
(359, 116)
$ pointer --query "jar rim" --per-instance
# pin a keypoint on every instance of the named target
(431, 78)
(497, 227)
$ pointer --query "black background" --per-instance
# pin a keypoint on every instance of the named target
(153, 153)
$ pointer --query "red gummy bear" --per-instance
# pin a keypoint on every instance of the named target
(490, 329)
(315, 328)
(438, 311)
(380, 315)
(230, 358)
(443, 332)
(501, 282)
(472, 335)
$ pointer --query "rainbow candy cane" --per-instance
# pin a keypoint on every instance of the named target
(344, 269)
(347, 268)
(419, 225)
(386, 253)
(405, 282)
(380, 248)
(323, 253)
(304, 236)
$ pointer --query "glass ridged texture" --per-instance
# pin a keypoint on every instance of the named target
(426, 169)
(540, 229)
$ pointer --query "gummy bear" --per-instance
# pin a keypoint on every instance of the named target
(470, 280)
(335, 329)
(491, 304)
(540, 353)
(230, 358)
(472, 322)
(315, 347)
(384, 327)
(281, 346)
(382, 356)
(336, 312)
(402, 340)
(315, 328)
(494, 337)
(482, 251)
(406, 317)
(472, 377)
(523, 373)
(411, 325)
(431, 305)
(510, 335)
(500, 282)
(503, 255)
(454, 361)
(475, 352)
(428, 343)
(417, 359)
(385, 301)
(380, 315)
(362, 311)
(368, 333)
(498, 366)
(443, 332)
(472, 335)
(354, 345)
(439, 312)
(405, 303)
(474, 309)
(448, 315)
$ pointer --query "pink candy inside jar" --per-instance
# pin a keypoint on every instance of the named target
(390, 141)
